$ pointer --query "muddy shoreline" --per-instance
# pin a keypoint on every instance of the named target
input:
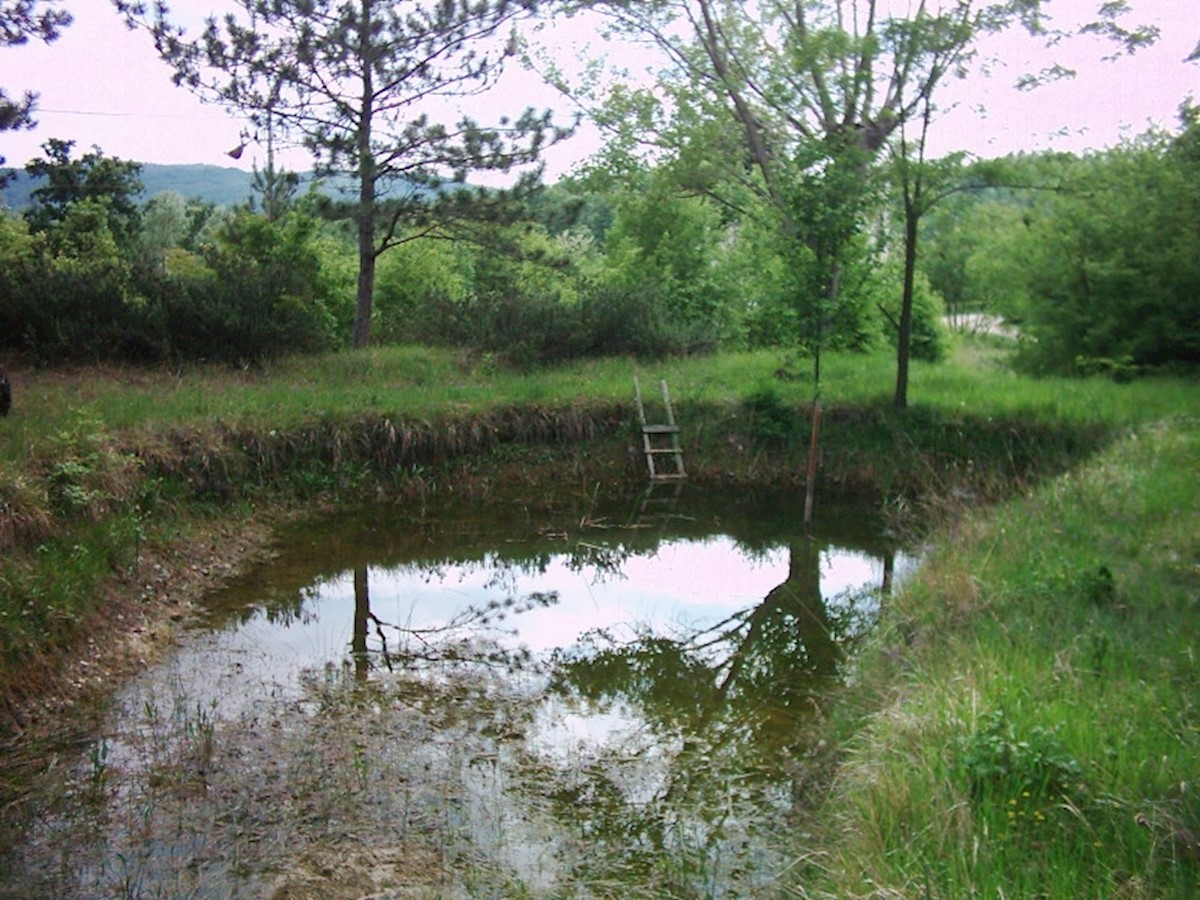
(134, 626)
(145, 608)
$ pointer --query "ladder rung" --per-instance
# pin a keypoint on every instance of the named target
(670, 429)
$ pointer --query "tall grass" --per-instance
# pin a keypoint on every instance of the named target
(1029, 723)
(422, 381)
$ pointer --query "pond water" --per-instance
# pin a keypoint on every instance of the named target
(574, 697)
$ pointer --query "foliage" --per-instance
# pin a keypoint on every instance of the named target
(1095, 260)
(574, 204)
(930, 342)
(970, 251)
(533, 298)
(246, 289)
(165, 224)
(66, 294)
(785, 107)
(997, 763)
(104, 180)
(772, 422)
(353, 84)
(257, 294)
(419, 287)
(664, 242)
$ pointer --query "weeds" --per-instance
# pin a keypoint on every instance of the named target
(1077, 617)
(996, 763)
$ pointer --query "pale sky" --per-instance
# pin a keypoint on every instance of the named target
(103, 85)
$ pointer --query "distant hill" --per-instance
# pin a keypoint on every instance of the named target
(214, 184)
(221, 185)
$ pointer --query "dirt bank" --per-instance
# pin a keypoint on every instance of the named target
(133, 626)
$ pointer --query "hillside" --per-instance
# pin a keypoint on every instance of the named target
(222, 185)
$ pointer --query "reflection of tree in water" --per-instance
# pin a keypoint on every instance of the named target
(720, 712)
(733, 700)
(461, 640)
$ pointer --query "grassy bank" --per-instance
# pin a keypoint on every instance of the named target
(1075, 590)
(1028, 724)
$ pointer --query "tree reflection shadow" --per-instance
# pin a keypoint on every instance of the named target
(735, 700)
(720, 716)
(462, 640)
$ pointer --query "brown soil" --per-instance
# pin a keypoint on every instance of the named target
(136, 624)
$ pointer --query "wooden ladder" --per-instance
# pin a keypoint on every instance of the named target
(660, 440)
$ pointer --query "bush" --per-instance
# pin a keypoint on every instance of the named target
(69, 294)
(421, 289)
(997, 764)
(772, 422)
(929, 339)
(257, 290)
(253, 294)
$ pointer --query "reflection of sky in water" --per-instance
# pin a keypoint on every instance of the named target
(683, 584)
(251, 671)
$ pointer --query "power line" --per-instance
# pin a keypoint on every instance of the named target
(126, 115)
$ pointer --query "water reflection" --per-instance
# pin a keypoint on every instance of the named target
(540, 696)
(731, 701)
(644, 689)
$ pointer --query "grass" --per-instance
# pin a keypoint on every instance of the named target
(424, 382)
(1029, 724)
(1025, 723)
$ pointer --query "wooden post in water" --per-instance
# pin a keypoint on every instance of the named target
(810, 477)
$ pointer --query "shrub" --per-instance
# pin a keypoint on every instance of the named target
(69, 293)
(254, 293)
(997, 764)
(772, 422)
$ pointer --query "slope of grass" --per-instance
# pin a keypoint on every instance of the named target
(1028, 724)
(427, 382)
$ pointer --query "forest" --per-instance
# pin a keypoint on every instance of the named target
(722, 214)
(1094, 259)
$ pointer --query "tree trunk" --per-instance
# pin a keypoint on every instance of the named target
(365, 296)
(904, 340)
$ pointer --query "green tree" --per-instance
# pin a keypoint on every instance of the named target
(1094, 258)
(960, 237)
(1111, 261)
(354, 82)
(922, 184)
(792, 103)
(256, 290)
(112, 183)
(66, 293)
(575, 204)
(423, 286)
(672, 244)
(165, 224)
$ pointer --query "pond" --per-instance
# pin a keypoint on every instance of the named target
(581, 696)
